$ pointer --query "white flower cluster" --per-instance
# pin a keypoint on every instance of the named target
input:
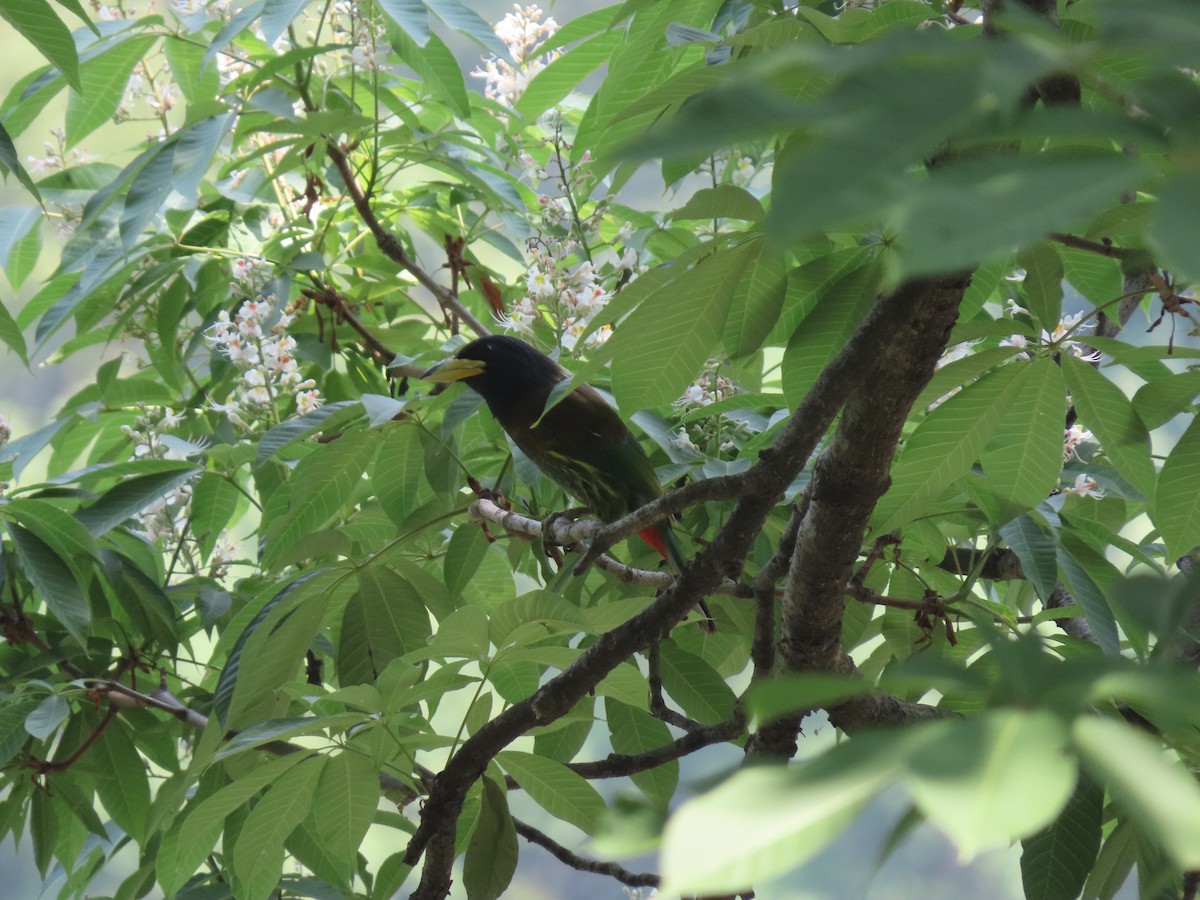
(147, 433)
(570, 298)
(1072, 438)
(369, 48)
(156, 89)
(5, 430)
(216, 10)
(257, 342)
(706, 390)
(524, 33)
(54, 158)
(166, 519)
(1085, 486)
(1058, 339)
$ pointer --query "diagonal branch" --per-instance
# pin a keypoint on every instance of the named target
(392, 248)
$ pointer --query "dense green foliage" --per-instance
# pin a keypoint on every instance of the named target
(254, 528)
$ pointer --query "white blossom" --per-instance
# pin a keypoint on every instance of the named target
(1085, 486)
(524, 32)
(1072, 438)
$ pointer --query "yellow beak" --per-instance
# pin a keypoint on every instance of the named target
(454, 369)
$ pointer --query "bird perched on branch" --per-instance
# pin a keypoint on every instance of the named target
(581, 443)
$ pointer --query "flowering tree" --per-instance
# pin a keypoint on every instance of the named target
(264, 592)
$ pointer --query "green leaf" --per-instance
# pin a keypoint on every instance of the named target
(1041, 291)
(465, 20)
(397, 474)
(664, 343)
(10, 334)
(148, 191)
(46, 717)
(840, 307)
(632, 732)
(1172, 232)
(383, 619)
(36, 21)
(1091, 597)
(725, 201)
(321, 486)
(411, 15)
(989, 780)
(271, 648)
(765, 820)
(103, 81)
(944, 446)
(555, 788)
(464, 555)
(258, 853)
(13, 735)
(1025, 196)
(1023, 459)
(1159, 401)
(695, 685)
(331, 416)
(51, 576)
(1096, 277)
(1176, 508)
(214, 501)
(61, 532)
(1055, 862)
(186, 59)
(122, 782)
(757, 301)
(131, 496)
(1036, 549)
(11, 162)
(344, 802)
(492, 852)
(1106, 411)
(191, 839)
(1159, 794)
(786, 694)
(15, 223)
(277, 15)
(438, 69)
(561, 76)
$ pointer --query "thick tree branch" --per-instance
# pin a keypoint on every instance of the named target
(575, 861)
(853, 472)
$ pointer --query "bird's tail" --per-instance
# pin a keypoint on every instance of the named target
(663, 539)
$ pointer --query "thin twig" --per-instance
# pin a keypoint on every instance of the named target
(575, 861)
(393, 249)
(618, 765)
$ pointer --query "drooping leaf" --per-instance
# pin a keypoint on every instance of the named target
(944, 447)
(1176, 508)
(1055, 862)
(1023, 459)
(1136, 771)
(555, 788)
(665, 342)
(1106, 411)
(36, 21)
(492, 852)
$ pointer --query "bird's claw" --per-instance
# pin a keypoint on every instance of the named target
(552, 547)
